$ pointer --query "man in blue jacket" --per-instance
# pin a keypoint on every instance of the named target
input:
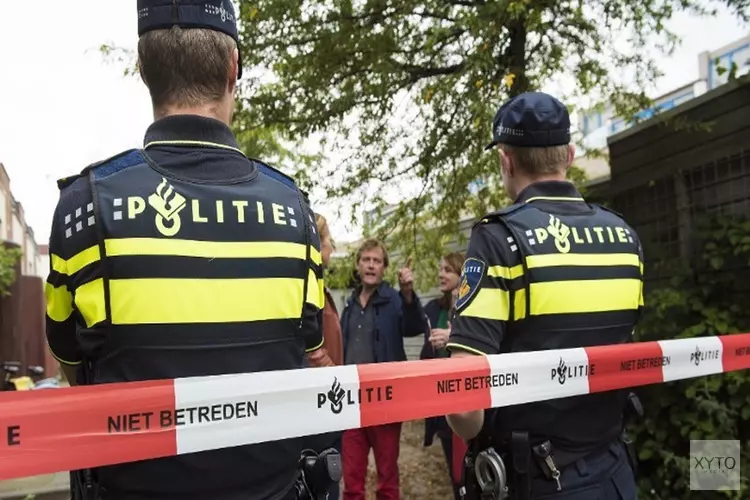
(374, 323)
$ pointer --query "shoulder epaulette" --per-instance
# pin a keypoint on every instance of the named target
(275, 173)
(494, 216)
(607, 209)
(280, 176)
(67, 181)
(115, 163)
(120, 161)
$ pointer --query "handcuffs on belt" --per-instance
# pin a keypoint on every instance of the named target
(491, 476)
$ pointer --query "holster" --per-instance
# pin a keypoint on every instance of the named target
(83, 486)
(520, 446)
(634, 413)
(630, 449)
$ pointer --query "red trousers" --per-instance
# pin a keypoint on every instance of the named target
(385, 441)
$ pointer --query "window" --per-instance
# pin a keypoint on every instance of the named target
(682, 98)
(617, 125)
(742, 59)
(714, 78)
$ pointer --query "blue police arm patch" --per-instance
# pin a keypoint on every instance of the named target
(472, 273)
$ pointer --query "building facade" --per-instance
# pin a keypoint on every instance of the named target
(714, 69)
(13, 228)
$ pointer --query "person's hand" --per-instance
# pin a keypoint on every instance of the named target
(406, 280)
(439, 336)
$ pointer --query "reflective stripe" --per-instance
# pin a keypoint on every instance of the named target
(89, 300)
(582, 259)
(181, 301)
(192, 143)
(640, 296)
(316, 347)
(315, 294)
(586, 296)
(58, 264)
(519, 304)
(561, 259)
(185, 248)
(59, 359)
(489, 303)
(508, 273)
(465, 348)
(59, 302)
(77, 262)
(554, 198)
(209, 249)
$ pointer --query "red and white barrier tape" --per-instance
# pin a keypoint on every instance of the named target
(59, 430)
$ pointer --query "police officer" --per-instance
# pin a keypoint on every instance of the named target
(185, 258)
(550, 271)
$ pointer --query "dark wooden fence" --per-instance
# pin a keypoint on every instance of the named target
(22, 330)
(683, 167)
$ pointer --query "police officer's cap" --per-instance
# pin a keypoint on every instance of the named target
(533, 120)
(217, 15)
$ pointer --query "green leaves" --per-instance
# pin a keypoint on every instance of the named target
(700, 300)
(401, 93)
(9, 257)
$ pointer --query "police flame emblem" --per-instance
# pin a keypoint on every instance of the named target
(560, 232)
(560, 372)
(168, 204)
(336, 396)
(463, 288)
(696, 356)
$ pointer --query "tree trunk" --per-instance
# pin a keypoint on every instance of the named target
(517, 57)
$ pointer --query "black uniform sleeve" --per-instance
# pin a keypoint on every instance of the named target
(70, 245)
(483, 303)
(312, 321)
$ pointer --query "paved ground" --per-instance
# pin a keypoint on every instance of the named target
(52, 496)
(39, 485)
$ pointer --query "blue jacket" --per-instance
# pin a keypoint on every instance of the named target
(394, 320)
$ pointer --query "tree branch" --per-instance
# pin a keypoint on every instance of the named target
(417, 73)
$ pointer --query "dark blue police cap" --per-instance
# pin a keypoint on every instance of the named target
(217, 15)
(532, 120)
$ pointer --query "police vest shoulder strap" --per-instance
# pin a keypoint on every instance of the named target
(499, 214)
(126, 159)
(307, 222)
(304, 202)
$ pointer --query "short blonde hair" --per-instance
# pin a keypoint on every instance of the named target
(185, 67)
(539, 161)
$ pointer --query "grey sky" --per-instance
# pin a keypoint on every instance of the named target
(62, 108)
